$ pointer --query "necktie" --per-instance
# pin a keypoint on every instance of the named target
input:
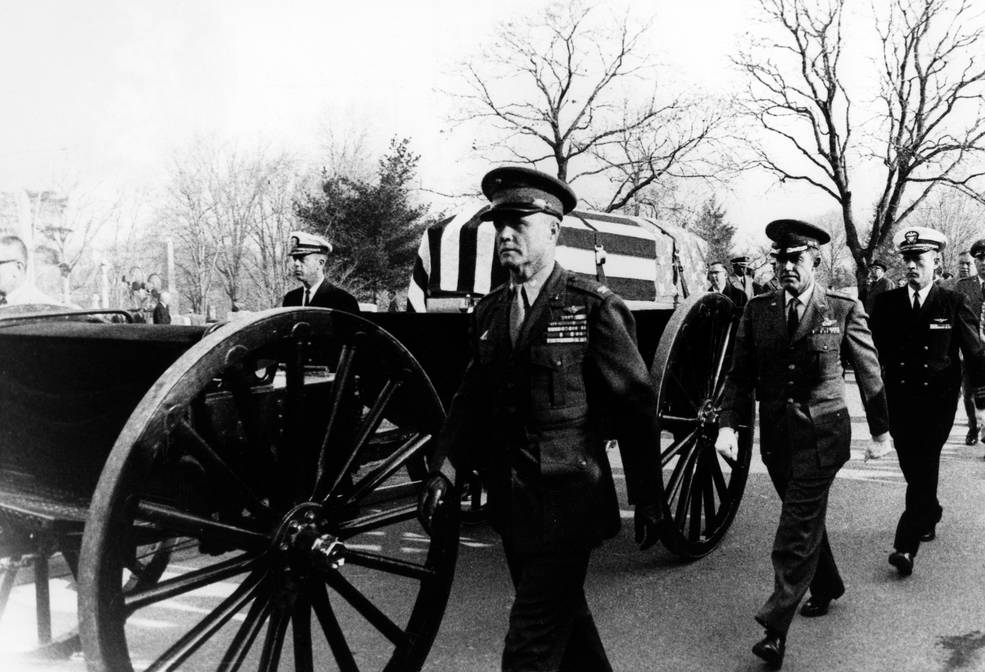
(792, 318)
(307, 296)
(916, 302)
(518, 311)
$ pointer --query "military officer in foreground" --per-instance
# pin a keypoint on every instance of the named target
(788, 352)
(309, 255)
(555, 372)
(919, 330)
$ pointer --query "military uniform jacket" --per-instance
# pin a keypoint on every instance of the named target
(971, 288)
(919, 352)
(327, 296)
(800, 381)
(533, 419)
(879, 286)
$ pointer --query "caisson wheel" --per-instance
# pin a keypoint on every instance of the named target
(702, 490)
(294, 497)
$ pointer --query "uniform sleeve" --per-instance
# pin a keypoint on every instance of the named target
(741, 379)
(860, 349)
(454, 444)
(969, 340)
(633, 400)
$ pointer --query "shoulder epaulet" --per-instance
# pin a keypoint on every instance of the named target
(493, 293)
(762, 297)
(588, 286)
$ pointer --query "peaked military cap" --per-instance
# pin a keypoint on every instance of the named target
(741, 259)
(977, 247)
(303, 243)
(793, 235)
(878, 264)
(525, 191)
(919, 239)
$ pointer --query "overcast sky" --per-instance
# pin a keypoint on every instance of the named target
(106, 91)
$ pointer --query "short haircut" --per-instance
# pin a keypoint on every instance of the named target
(16, 243)
(716, 263)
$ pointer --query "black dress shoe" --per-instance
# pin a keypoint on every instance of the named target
(815, 606)
(929, 535)
(971, 438)
(903, 562)
(770, 648)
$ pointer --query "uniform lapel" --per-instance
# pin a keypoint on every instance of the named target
(777, 314)
(536, 320)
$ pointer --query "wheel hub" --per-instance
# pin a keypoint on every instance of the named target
(708, 417)
(304, 544)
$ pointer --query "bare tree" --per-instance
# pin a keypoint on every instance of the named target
(932, 123)
(959, 218)
(273, 221)
(575, 94)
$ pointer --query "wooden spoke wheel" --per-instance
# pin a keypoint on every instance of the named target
(294, 495)
(701, 489)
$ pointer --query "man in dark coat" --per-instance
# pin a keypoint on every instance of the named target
(718, 277)
(309, 254)
(162, 309)
(555, 372)
(973, 287)
(919, 331)
(878, 283)
(788, 352)
(742, 276)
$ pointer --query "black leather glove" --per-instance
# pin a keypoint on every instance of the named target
(647, 521)
(433, 497)
(980, 398)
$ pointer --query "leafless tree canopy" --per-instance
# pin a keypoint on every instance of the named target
(583, 99)
(932, 129)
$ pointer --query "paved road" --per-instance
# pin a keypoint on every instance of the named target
(656, 613)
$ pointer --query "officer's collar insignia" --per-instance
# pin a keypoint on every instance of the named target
(939, 319)
(485, 336)
(574, 309)
(911, 237)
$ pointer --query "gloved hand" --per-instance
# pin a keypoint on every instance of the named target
(647, 521)
(727, 444)
(879, 446)
(980, 398)
(433, 497)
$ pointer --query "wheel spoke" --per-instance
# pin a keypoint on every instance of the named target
(201, 449)
(676, 447)
(410, 448)
(686, 479)
(685, 392)
(273, 642)
(301, 631)
(369, 611)
(391, 493)
(677, 420)
(190, 581)
(190, 525)
(233, 659)
(697, 492)
(383, 563)
(718, 480)
(343, 378)
(677, 477)
(207, 627)
(375, 521)
(717, 379)
(370, 423)
(708, 488)
(330, 626)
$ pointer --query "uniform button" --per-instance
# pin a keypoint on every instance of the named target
(791, 366)
(789, 401)
(557, 362)
(925, 366)
(902, 363)
(926, 347)
(925, 383)
(825, 347)
(902, 382)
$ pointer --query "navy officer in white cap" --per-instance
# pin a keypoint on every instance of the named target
(919, 330)
(788, 352)
(309, 254)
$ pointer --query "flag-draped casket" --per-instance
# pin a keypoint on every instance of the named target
(650, 264)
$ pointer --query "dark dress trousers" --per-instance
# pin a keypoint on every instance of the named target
(804, 425)
(327, 296)
(533, 420)
(876, 288)
(919, 355)
(971, 288)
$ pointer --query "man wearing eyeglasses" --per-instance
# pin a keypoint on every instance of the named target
(920, 329)
(15, 287)
(972, 286)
